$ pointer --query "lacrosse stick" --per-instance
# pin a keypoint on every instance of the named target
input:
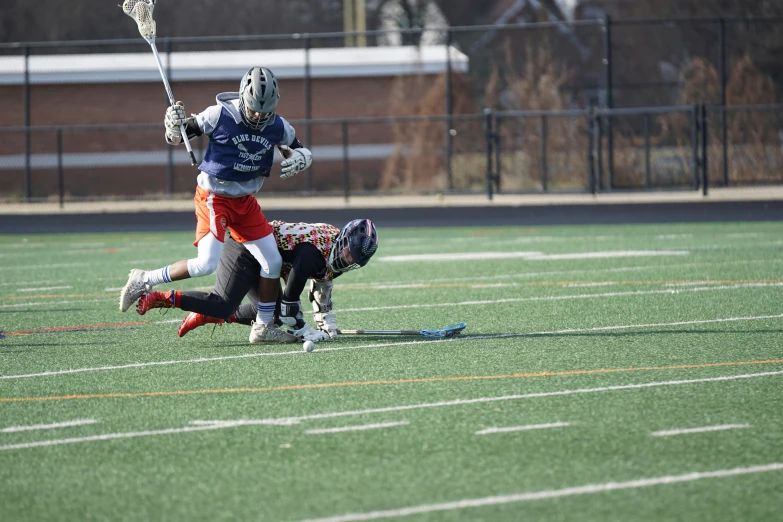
(141, 12)
(441, 333)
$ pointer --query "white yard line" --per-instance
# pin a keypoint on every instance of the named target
(379, 345)
(703, 429)
(56, 425)
(44, 288)
(458, 256)
(529, 256)
(674, 236)
(612, 254)
(112, 436)
(510, 429)
(670, 291)
(201, 359)
(363, 427)
(45, 267)
(22, 283)
(526, 275)
(197, 288)
(588, 285)
(84, 245)
(483, 400)
(588, 489)
(201, 425)
(39, 304)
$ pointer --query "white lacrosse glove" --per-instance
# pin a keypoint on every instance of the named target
(174, 119)
(296, 160)
(308, 333)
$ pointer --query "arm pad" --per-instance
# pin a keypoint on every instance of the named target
(321, 296)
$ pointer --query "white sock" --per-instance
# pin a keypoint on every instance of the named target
(265, 312)
(156, 277)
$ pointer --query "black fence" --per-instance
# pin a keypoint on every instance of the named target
(509, 152)
(617, 95)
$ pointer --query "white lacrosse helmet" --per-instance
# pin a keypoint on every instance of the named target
(258, 94)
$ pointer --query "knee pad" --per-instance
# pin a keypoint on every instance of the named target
(198, 267)
(266, 253)
(206, 262)
(274, 264)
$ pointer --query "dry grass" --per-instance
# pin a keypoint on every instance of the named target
(419, 162)
(752, 136)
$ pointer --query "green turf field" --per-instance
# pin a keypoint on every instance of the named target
(589, 352)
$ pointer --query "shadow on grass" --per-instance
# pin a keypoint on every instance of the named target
(490, 336)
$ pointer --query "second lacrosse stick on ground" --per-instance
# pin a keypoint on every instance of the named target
(438, 333)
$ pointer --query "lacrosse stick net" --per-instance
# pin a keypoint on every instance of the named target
(141, 12)
(442, 333)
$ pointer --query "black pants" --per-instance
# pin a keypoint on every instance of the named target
(237, 276)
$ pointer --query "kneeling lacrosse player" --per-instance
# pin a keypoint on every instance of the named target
(243, 131)
(315, 251)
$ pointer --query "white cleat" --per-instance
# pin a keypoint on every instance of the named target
(261, 333)
(133, 289)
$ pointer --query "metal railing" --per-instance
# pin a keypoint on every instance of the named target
(605, 52)
(674, 148)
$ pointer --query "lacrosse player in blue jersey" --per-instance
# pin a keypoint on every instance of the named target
(243, 132)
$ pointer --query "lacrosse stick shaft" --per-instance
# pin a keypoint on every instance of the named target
(171, 100)
(379, 332)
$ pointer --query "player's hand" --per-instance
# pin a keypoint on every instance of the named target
(296, 160)
(308, 333)
(326, 323)
(174, 119)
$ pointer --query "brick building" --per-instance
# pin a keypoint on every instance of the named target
(125, 91)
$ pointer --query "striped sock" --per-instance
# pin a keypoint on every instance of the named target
(156, 277)
(265, 312)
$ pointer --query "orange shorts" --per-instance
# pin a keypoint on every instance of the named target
(243, 216)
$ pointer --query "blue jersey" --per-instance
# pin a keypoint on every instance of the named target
(235, 151)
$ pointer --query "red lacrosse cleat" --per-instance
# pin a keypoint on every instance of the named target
(154, 299)
(194, 320)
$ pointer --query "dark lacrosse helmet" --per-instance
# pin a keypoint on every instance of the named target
(355, 245)
(258, 93)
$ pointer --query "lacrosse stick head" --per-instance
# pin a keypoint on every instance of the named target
(444, 333)
(141, 12)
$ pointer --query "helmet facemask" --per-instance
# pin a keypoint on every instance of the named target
(355, 245)
(258, 94)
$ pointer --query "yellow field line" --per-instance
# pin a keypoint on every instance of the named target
(384, 382)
